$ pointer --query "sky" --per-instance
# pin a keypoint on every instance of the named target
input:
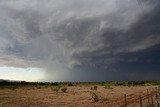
(22, 74)
(80, 40)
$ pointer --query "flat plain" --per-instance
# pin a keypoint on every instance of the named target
(79, 95)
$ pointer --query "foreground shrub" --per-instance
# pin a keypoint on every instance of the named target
(56, 89)
(64, 89)
(95, 97)
(13, 87)
(38, 87)
(108, 86)
(94, 88)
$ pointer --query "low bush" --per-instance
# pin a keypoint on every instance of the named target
(94, 88)
(95, 97)
(38, 87)
(70, 84)
(13, 87)
(64, 89)
(108, 86)
(56, 89)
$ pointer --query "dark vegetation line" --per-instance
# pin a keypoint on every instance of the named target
(113, 83)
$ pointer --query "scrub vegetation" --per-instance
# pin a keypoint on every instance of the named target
(22, 93)
(16, 84)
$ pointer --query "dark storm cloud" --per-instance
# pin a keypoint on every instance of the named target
(85, 40)
(133, 54)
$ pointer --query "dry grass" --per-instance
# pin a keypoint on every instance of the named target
(75, 96)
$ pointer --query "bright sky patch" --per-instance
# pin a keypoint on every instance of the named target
(26, 74)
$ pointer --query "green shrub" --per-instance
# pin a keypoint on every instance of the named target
(70, 84)
(54, 84)
(108, 86)
(56, 89)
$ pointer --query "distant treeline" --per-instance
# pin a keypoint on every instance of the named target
(128, 83)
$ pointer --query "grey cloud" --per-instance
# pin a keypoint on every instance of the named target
(72, 38)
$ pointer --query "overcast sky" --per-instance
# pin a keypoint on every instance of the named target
(81, 40)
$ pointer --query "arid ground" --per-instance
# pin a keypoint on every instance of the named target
(75, 96)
